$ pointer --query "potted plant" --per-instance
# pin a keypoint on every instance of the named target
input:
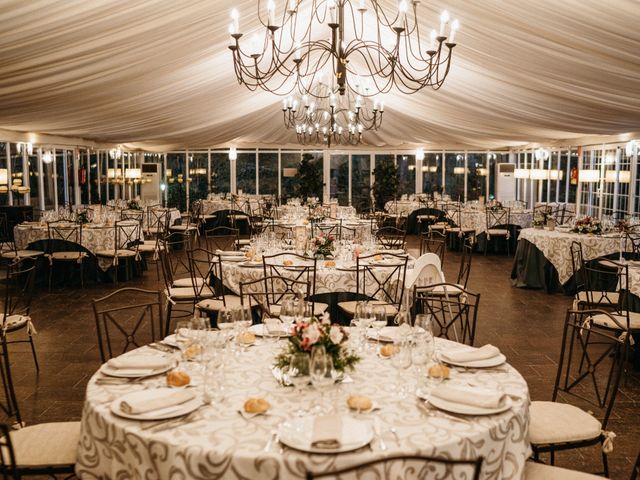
(385, 187)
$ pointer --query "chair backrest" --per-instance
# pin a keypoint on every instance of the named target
(127, 235)
(465, 264)
(577, 261)
(173, 256)
(18, 287)
(427, 270)
(271, 290)
(591, 362)
(132, 214)
(434, 242)
(4, 228)
(206, 265)
(157, 221)
(635, 473)
(392, 238)
(281, 232)
(65, 230)
(303, 269)
(332, 229)
(453, 212)
(497, 216)
(382, 279)
(127, 318)
(454, 311)
(407, 466)
(632, 243)
(603, 278)
(221, 238)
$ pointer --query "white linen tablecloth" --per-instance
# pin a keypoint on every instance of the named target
(221, 443)
(556, 247)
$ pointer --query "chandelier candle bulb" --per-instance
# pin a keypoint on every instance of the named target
(235, 20)
(444, 20)
(271, 13)
(432, 41)
(402, 12)
(455, 25)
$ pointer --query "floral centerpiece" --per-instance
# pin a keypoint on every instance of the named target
(323, 245)
(540, 218)
(316, 213)
(623, 226)
(82, 217)
(306, 334)
(133, 205)
(588, 225)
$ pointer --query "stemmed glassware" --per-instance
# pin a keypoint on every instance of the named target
(287, 313)
(379, 321)
(298, 374)
(401, 360)
(321, 367)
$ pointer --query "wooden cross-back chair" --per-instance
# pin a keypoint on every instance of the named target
(454, 310)
(269, 292)
(221, 238)
(128, 318)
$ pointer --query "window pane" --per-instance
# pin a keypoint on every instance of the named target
(432, 173)
(476, 176)
(94, 174)
(268, 173)
(494, 158)
(290, 162)
(360, 182)
(382, 197)
(246, 172)
(406, 174)
(220, 172)
(198, 187)
(454, 176)
(176, 195)
(32, 182)
(339, 178)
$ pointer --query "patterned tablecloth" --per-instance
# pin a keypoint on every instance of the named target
(401, 207)
(477, 219)
(221, 443)
(556, 247)
(211, 206)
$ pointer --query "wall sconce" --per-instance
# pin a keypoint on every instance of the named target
(541, 154)
(47, 156)
(133, 173)
(458, 170)
(483, 172)
(25, 147)
(632, 148)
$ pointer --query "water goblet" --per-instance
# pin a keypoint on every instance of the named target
(379, 321)
(298, 374)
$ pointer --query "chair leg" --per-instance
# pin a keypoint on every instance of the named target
(50, 275)
(605, 464)
(168, 322)
(33, 352)
(81, 275)
(552, 457)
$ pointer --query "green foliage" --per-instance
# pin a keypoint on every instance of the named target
(385, 187)
(309, 177)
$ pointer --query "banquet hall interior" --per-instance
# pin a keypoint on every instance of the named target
(264, 239)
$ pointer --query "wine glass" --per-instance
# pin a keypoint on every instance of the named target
(287, 313)
(184, 337)
(379, 321)
(299, 375)
(401, 360)
(423, 321)
(225, 323)
(321, 367)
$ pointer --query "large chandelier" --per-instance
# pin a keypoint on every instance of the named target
(328, 118)
(336, 34)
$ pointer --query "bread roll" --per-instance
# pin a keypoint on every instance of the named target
(387, 350)
(439, 371)
(176, 378)
(330, 263)
(287, 263)
(256, 405)
(246, 338)
(193, 351)
(359, 403)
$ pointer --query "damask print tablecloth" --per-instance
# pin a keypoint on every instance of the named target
(401, 207)
(556, 247)
(221, 443)
(477, 219)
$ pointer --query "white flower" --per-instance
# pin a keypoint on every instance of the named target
(336, 335)
(325, 319)
(312, 333)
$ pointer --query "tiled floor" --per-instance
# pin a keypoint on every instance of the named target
(524, 324)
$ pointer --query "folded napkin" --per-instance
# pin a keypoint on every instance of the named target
(473, 397)
(137, 407)
(229, 253)
(327, 432)
(139, 362)
(466, 356)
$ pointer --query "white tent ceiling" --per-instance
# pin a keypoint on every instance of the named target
(157, 74)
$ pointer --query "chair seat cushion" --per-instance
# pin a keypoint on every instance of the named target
(553, 422)
(14, 322)
(22, 253)
(189, 293)
(350, 307)
(243, 241)
(187, 282)
(449, 289)
(46, 444)
(215, 304)
(113, 253)
(604, 321)
(540, 471)
(426, 217)
(148, 248)
(498, 232)
(75, 256)
(182, 228)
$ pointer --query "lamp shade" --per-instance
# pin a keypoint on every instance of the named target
(458, 170)
(3, 176)
(588, 176)
(521, 173)
(539, 174)
(112, 173)
(483, 172)
(133, 173)
(623, 176)
(556, 174)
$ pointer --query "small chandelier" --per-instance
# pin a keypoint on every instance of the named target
(115, 153)
(47, 156)
(25, 148)
(287, 58)
(331, 119)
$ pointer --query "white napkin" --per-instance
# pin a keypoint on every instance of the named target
(327, 432)
(137, 407)
(229, 253)
(466, 356)
(139, 362)
(473, 397)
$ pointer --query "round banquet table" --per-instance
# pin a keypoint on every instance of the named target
(220, 443)
(543, 257)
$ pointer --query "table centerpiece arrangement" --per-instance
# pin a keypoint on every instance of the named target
(588, 225)
(133, 205)
(312, 332)
(323, 246)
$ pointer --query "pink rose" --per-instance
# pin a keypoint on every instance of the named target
(335, 334)
(312, 334)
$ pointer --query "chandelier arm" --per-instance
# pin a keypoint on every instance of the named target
(380, 14)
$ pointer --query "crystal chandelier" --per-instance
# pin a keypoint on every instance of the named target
(327, 118)
(344, 37)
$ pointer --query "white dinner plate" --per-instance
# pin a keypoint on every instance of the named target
(132, 373)
(387, 334)
(297, 434)
(251, 264)
(463, 409)
(260, 330)
(160, 414)
(171, 340)
(232, 258)
(484, 363)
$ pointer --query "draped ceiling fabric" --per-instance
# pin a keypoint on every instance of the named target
(157, 75)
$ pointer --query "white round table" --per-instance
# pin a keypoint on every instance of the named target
(221, 443)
